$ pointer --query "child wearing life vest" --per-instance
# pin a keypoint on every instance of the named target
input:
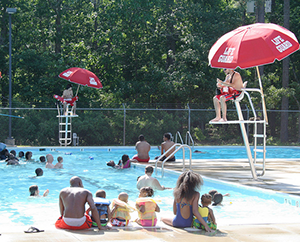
(120, 211)
(102, 205)
(146, 207)
(206, 213)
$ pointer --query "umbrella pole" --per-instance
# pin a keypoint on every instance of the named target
(262, 95)
(77, 90)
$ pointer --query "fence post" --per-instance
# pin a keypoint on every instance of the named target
(189, 121)
(124, 124)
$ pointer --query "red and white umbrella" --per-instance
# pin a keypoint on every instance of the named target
(253, 45)
(81, 76)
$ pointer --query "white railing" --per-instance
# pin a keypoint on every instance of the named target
(179, 147)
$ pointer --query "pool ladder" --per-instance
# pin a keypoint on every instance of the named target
(65, 125)
(179, 147)
(188, 138)
(255, 120)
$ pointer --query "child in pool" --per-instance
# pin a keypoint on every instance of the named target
(42, 159)
(146, 207)
(35, 192)
(59, 162)
(102, 207)
(206, 213)
(125, 162)
(217, 197)
(120, 212)
(28, 156)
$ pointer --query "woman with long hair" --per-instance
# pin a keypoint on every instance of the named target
(186, 200)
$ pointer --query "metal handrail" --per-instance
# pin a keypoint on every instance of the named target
(190, 138)
(178, 134)
(181, 146)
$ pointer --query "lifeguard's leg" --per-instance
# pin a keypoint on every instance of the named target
(217, 110)
(74, 109)
(65, 108)
(224, 108)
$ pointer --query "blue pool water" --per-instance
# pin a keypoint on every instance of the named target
(245, 205)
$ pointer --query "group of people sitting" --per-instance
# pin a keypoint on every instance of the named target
(101, 211)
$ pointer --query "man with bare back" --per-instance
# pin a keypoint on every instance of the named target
(72, 202)
(143, 148)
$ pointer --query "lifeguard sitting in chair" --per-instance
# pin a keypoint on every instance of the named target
(68, 99)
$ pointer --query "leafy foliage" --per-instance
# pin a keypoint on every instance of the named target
(143, 52)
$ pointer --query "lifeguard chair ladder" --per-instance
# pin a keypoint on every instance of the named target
(255, 120)
(65, 125)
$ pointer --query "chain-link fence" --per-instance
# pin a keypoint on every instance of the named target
(122, 124)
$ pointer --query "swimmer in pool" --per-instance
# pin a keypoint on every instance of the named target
(12, 160)
(35, 192)
(28, 156)
(148, 181)
(50, 159)
(42, 159)
(21, 154)
(217, 197)
(198, 151)
(59, 164)
(39, 171)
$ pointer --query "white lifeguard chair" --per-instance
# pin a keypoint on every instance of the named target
(255, 121)
(65, 124)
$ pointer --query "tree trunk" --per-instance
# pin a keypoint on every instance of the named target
(58, 31)
(170, 35)
(285, 79)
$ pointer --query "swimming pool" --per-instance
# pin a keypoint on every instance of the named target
(246, 204)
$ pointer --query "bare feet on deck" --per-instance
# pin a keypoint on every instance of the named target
(218, 120)
(215, 120)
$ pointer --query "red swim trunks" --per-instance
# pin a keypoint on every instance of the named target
(231, 94)
(139, 159)
(60, 224)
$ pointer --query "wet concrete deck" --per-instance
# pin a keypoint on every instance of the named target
(281, 175)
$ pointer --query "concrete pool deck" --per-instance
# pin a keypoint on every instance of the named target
(281, 175)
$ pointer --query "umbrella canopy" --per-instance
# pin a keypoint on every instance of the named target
(81, 76)
(252, 45)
